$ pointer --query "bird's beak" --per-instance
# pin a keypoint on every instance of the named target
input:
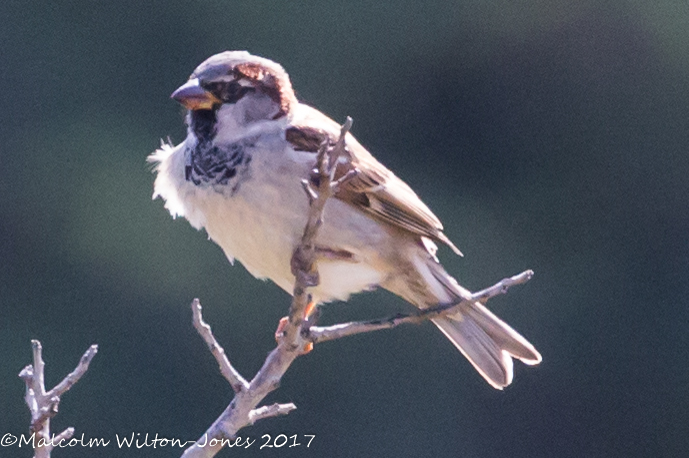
(194, 97)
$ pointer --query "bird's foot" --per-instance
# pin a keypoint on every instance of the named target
(280, 331)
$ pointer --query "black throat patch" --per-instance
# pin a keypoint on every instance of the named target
(223, 167)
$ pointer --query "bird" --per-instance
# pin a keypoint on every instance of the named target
(238, 175)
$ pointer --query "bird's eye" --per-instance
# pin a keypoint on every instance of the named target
(227, 91)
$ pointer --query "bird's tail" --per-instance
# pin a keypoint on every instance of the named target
(487, 342)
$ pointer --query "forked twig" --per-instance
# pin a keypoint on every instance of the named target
(43, 404)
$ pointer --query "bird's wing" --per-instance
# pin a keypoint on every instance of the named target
(374, 189)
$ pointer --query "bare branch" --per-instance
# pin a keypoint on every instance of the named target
(44, 405)
(336, 185)
(226, 369)
(317, 334)
(304, 258)
(242, 410)
(69, 381)
(64, 435)
(501, 287)
(310, 193)
(273, 410)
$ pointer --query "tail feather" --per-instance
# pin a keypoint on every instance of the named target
(482, 352)
(487, 342)
(504, 336)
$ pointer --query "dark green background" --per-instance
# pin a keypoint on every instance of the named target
(549, 135)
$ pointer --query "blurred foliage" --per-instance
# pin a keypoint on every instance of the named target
(545, 134)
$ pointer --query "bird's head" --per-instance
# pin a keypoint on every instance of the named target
(236, 89)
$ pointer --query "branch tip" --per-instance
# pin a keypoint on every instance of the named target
(236, 381)
(273, 410)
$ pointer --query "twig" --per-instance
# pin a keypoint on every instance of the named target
(226, 369)
(502, 286)
(270, 411)
(304, 259)
(318, 334)
(43, 405)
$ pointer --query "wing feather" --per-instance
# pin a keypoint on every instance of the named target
(374, 189)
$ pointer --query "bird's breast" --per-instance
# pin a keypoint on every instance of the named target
(252, 204)
(257, 215)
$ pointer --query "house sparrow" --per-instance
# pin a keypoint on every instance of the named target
(238, 175)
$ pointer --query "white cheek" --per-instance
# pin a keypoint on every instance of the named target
(228, 128)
